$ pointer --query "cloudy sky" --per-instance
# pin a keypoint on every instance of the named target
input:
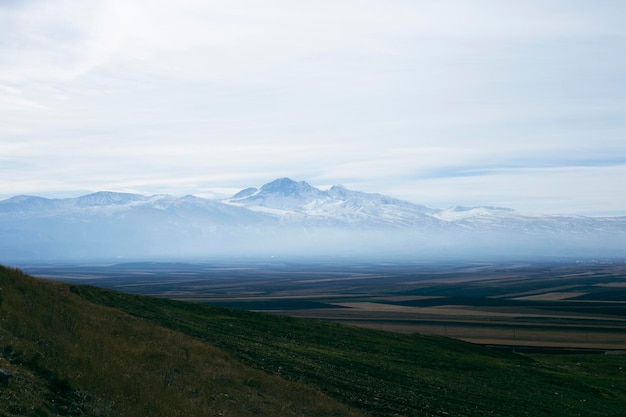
(511, 103)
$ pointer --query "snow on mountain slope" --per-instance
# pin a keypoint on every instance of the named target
(285, 216)
(39, 204)
(486, 218)
(282, 194)
(111, 225)
(300, 202)
(108, 203)
(460, 213)
(106, 198)
(27, 203)
(296, 203)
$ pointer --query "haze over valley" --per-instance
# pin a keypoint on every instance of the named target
(287, 218)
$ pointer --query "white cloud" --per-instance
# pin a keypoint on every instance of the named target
(438, 99)
(64, 40)
(509, 19)
(55, 41)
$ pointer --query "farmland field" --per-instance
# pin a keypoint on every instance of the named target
(561, 305)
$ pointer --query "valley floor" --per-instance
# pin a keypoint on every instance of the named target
(555, 305)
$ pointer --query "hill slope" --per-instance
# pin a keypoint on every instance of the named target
(69, 357)
(107, 353)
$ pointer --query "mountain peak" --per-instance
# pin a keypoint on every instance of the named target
(25, 203)
(102, 198)
(22, 198)
(286, 186)
(338, 191)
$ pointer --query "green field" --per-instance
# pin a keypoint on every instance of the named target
(79, 350)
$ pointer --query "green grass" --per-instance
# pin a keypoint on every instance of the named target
(120, 354)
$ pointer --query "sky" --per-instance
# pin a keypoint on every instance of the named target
(509, 103)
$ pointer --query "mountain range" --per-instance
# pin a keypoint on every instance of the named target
(290, 218)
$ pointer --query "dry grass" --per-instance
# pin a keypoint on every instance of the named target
(126, 366)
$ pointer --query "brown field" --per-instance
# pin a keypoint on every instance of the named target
(552, 296)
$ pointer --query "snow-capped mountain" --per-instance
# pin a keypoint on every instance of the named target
(280, 196)
(106, 225)
(294, 201)
(299, 202)
(33, 203)
(286, 216)
(106, 203)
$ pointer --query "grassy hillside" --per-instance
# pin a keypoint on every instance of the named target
(70, 357)
(97, 352)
